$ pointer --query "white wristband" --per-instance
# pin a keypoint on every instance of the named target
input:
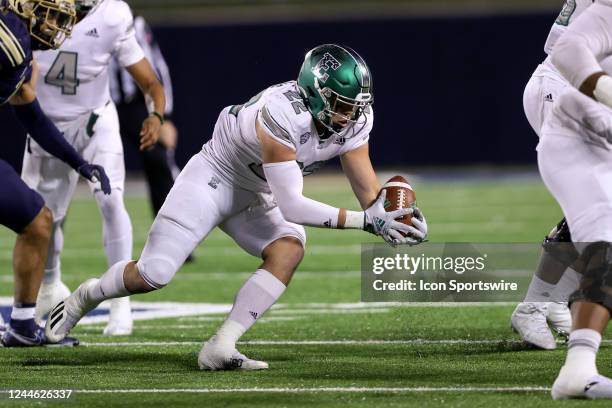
(603, 90)
(354, 220)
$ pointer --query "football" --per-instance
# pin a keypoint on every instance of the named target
(399, 195)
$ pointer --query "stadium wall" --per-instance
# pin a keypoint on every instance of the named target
(447, 90)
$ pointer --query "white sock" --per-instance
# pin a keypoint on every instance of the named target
(53, 271)
(569, 283)
(22, 313)
(52, 275)
(256, 296)
(116, 227)
(539, 291)
(581, 353)
(116, 232)
(110, 285)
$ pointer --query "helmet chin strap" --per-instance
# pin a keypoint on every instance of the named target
(334, 129)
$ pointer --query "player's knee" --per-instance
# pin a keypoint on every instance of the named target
(111, 206)
(285, 253)
(596, 285)
(156, 272)
(41, 225)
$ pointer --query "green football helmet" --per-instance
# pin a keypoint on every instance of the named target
(335, 82)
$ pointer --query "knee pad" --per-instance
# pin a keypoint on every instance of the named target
(558, 244)
(157, 272)
(596, 285)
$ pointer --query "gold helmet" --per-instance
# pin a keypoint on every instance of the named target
(50, 21)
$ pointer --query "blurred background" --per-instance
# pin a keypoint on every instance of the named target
(448, 74)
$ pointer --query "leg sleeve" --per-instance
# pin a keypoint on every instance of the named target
(190, 212)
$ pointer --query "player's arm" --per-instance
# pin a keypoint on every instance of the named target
(285, 179)
(359, 171)
(145, 77)
(40, 128)
(578, 51)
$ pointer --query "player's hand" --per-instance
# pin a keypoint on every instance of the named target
(416, 234)
(380, 222)
(149, 132)
(95, 173)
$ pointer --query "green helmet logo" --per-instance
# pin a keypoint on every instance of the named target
(327, 62)
(336, 84)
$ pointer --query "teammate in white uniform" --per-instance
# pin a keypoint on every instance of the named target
(73, 89)
(546, 300)
(248, 181)
(575, 161)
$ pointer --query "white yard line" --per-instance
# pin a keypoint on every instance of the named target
(313, 342)
(214, 308)
(206, 251)
(203, 276)
(311, 390)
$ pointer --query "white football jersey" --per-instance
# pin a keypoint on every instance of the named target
(73, 79)
(235, 149)
(571, 9)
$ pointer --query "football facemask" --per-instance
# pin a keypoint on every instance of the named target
(340, 111)
(51, 21)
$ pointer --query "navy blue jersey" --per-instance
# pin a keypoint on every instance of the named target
(15, 54)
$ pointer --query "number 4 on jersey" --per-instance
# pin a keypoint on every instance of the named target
(63, 72)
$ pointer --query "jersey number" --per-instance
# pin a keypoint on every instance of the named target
(63, 72)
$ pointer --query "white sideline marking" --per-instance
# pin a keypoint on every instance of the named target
(242, 275)
(292, 312)
(221, 318)
(205, 251)
(203, 276)
(312, 390)
(310, 342)
(96, 328)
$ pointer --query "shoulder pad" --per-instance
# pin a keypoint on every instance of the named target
(286, 117)
(14, 41)
(117, 13)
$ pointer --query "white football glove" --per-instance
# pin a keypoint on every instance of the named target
(380, 222)
(416, 234)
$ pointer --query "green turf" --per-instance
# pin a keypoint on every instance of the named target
(456, 212)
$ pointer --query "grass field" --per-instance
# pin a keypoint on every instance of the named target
(324, 349)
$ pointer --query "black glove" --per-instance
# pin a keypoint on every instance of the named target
(95, 173)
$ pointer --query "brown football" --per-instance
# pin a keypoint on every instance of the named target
(399, 195)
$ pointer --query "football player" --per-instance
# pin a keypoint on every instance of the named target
(556, 276)
(575, 161)
(73, 89)
(27, 25)
(248, 180)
